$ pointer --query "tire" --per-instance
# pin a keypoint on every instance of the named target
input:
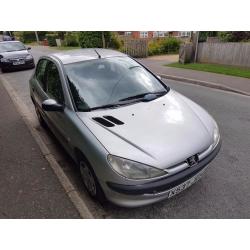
(90, 181)
(40, 118)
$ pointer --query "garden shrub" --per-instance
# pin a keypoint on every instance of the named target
(155, 47)
(163, 46)
(51, 39)
(71, 39)
(171, 45)
(115, 41)
(90, 39)
(29, 36)
(94, 39)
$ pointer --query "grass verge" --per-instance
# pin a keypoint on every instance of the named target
(214, 68)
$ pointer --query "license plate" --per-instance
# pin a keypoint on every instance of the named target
(18, 62)
(176, 190)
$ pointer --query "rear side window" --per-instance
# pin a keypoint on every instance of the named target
(40, 73)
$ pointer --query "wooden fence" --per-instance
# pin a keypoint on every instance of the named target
(236, 54)
(136, 47)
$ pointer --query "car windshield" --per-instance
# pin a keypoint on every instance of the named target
(103, 82)
(11, 46)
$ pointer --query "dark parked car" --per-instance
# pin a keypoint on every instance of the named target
(14, 55)
(6, 36)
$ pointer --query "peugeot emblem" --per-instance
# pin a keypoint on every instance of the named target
(193, 160)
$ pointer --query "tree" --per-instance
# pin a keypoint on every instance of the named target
(61, 34)
(234, 36)
(94, 39)
(204, 34)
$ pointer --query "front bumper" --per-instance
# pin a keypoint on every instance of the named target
(144, 194)
(8, 66)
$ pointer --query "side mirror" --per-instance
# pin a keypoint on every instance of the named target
(159, 77)
(29, 48)
(52, 105)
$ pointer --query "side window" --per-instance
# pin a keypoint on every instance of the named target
(53, 82)
(40, 73)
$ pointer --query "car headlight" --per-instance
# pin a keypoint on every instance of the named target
(133, 170)
(216, 135)
(5, 60)
(29, 57)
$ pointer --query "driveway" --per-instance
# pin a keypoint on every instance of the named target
(223, 192)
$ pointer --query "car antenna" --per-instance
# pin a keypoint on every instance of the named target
(99, 56)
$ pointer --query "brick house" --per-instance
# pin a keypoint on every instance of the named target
(153, 34)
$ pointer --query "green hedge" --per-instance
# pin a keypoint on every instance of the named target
(51, 39)
(90, 39)
(71, 39)
(115, 41)
(164, 46)
(94, 39)
(29, 36)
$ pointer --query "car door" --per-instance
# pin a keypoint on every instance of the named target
(58, 121)
(38, 85)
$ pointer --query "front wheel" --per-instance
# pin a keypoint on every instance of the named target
(90, 181)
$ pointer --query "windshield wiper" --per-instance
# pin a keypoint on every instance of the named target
(141, 96)
(111, 105)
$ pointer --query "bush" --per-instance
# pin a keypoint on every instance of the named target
(203, 35)
(71, 39)
(115, 41)
(29, 36)
(94, 39)
(164, 46)
(18, 35)
(155, 47)
(51, 39)
(89, 39)
(171, 45)
(234, 36)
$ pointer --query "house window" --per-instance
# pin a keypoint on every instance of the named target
(143, 34)
(159, 34)
(128, 33)
(185, 33)
(155, 34)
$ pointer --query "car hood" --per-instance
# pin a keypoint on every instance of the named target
(161, 133)
(15, 54)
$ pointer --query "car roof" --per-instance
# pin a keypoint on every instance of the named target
(10, 41)
(79, 55)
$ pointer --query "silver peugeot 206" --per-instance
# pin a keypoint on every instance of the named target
(135, 140)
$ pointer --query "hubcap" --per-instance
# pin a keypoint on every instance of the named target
(88, 178)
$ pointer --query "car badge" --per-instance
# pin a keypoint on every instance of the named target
(193, 160)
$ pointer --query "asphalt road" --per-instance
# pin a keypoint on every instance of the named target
(223, 192)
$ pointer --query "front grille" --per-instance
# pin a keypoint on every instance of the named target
(184, 164)
(17, 59)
